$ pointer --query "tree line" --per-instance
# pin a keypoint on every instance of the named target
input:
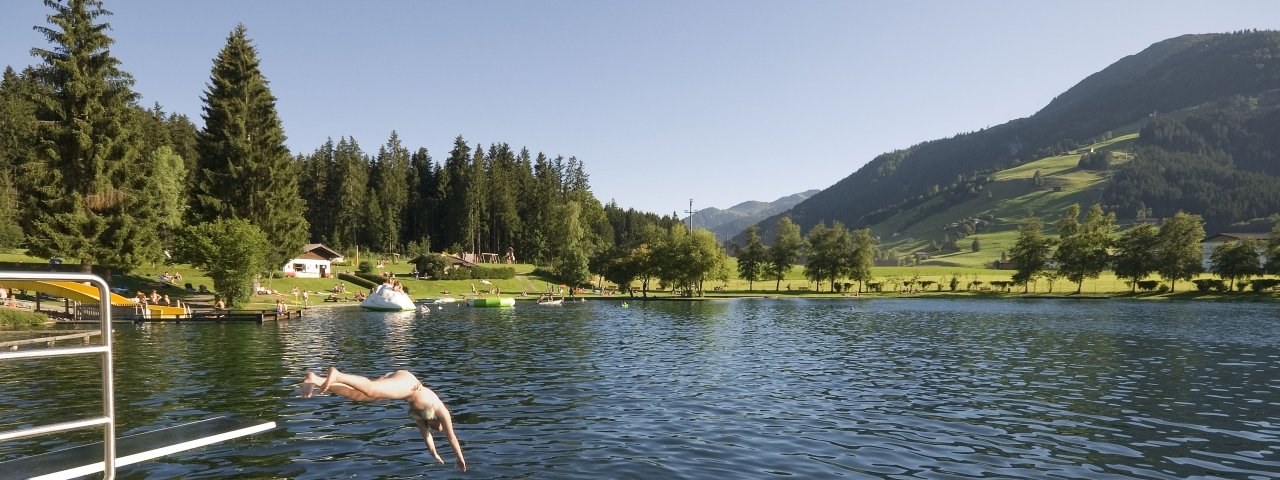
(1172, 251)
(115, 186)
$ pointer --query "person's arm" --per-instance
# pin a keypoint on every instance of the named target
(426, 437)
(446, 424)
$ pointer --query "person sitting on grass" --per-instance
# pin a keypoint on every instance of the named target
(425, 407)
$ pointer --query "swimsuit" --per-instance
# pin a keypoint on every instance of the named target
(427, 414)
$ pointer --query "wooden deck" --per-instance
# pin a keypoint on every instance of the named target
(48, 340)
(202, 316)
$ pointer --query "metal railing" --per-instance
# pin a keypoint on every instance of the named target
(107, 420)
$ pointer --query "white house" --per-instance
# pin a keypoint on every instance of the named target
(315, 261)
(1214, 241)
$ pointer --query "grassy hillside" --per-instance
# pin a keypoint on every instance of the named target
(1169, 76)
(1013, 197)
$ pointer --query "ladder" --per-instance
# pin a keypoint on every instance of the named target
(88, 459)
(108, 418)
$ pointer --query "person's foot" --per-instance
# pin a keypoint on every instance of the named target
(329, 381)
(309, 385)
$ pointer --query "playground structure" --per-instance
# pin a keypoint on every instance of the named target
(80, 292)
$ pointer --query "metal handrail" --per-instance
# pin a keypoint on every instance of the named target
(108, 418)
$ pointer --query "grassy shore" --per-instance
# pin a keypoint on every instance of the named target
(971, 283)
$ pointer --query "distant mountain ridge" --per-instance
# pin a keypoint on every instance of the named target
(1171, 75)
(727, 223)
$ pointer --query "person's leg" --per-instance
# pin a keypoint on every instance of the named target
(312, 381)
(397, 386)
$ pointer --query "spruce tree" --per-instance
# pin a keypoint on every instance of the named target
(88, 174)
(453, 188)
(389, 190)
(349, 189)
(314, 187)
(17, 131)
(245, 171)
(422, 197)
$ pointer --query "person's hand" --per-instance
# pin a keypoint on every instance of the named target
(462, 464)
(438, 459)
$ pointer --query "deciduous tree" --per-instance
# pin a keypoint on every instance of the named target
(863, 257)
(785, 251)
(1235, 260)
(1031, 252)
(1177, 248)
(1083, 249)
(230, 251)
(1135, 255)
(752, 258)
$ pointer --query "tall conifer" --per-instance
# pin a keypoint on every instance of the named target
(245, 171)
(349, 188)
(88, 174)
(390, 192)
(422, 197)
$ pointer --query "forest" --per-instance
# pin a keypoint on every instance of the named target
(89, 175)
(1221, 160)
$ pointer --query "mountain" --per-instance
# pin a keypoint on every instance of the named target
(730, 222)
(1173, 75)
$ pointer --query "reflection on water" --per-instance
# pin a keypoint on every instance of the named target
(857, 388)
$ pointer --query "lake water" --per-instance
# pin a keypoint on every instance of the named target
(911, 388)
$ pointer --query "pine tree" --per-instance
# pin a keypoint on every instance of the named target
(316, 169)
(88, 177)
(390, 192)
(453, 187)
(503, 218)
(245, 170)
(17, 133)
(422, 197)
(349, 187)
(477, 200)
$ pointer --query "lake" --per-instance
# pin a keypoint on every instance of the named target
(749, 388)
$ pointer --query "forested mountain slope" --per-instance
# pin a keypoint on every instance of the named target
(1171, 75)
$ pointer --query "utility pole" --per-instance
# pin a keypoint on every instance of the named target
(690, 211)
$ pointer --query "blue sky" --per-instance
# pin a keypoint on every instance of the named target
(718, 101)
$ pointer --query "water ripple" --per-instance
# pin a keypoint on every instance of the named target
(749, 388)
